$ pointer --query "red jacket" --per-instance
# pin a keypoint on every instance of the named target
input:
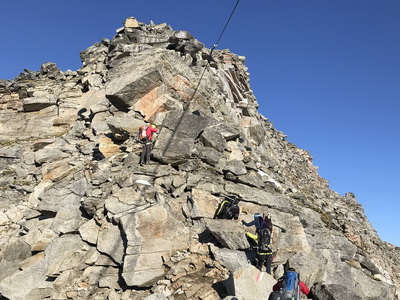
(303, 287)
(149, 132)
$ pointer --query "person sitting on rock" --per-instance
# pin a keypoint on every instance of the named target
(228, 209)
(289, 286)
(147, 144)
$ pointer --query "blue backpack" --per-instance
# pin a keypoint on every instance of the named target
(290, 286)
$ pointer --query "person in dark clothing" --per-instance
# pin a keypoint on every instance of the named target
(228, 209)
(255, 222)
(261, 240)
(260, 222)
(262, 244)
(147, 144)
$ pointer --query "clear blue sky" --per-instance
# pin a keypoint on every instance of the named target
(326, 73)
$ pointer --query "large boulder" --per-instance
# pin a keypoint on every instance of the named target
(127, 87)
(156, 73)
(51, 71)
(369, 288)
(262, 197)
(249, 284)
(31, 280)
(29, 125)
(110, 242)
(49, 155)
(231, 259)
(333, 291)
(124, 125)
(178, 135)
(202, 204)
(54, 196)
(89, 231)
(151, 235)
(235, 166)
(229, 233)
(212, 137)
(39, 102)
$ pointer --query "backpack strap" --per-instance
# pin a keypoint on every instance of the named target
(221, 207)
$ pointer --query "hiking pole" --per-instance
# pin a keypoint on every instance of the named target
(283, 229)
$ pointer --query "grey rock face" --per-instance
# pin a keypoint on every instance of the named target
(228, 233)
(81, 219)
(180, 131)
(236, 167)
(16, 251)
(326, 292)
(233, 260)
(51, 71)
(38, 103)
(239, 285)
(123, 90)
(110, 242)
(212, 137)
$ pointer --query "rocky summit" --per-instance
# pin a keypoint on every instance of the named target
(80, 218)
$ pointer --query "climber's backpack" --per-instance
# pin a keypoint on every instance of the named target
(290, 286)
(233, 211)
(264, 222)
(268, 223)
(264, 239)
(227, 209)
(223, 209)
(142, 134)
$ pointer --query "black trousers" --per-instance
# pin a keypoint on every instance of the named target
(146, 151)
(264, 259)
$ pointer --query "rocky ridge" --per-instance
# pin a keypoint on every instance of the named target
(77, 222)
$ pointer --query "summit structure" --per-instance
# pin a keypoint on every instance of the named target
(80, 218)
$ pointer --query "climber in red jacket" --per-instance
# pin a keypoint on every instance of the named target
(303, 287)
(290, 285)
(148, 144)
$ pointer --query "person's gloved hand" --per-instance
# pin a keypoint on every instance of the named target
(310, 295)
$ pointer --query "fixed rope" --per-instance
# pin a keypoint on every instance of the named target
(226, 25)
(187, 103)
(213, 47)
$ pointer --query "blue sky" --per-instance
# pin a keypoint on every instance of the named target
(326, 73)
